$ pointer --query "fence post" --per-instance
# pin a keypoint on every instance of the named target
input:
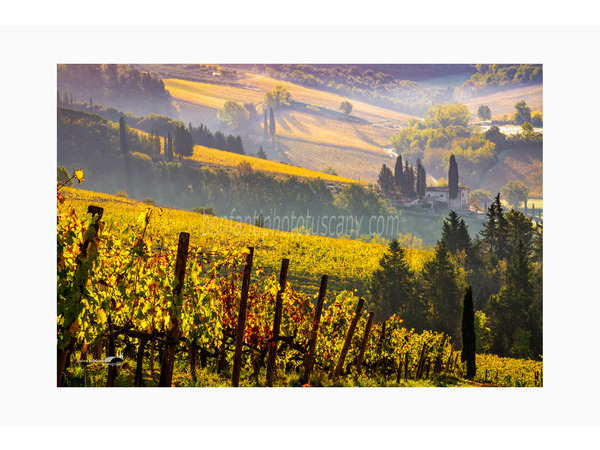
(63, 355)
(277, 321)
(310, 357)
(172, 338)
(139, 380)
(381, 338)
(348, 341)
(112, 370)
(421, 364)
(241, 324)
(364, 343)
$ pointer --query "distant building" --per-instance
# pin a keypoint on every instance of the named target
(440, 194)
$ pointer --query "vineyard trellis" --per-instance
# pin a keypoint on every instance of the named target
(116, 288)
(193, 306)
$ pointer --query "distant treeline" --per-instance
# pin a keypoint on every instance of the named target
(115, 84)
(161, 126)
(378, 88)
(493, 76)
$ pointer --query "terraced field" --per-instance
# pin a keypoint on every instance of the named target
(359, 164)
(196, 114)
(518, 165)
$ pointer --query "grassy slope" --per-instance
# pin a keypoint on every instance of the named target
(518, 165)
(504, 102)
(310, 256)
(305, 138)
(374, 114)
(207, 155)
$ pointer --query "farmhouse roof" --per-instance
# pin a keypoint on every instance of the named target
(442, 188)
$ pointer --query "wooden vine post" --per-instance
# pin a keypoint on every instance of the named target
(139, 380)
(112, 351)
(310, 357)
(63, 355)
(363, 346)
(277, 321)
(241, 324)
(348, 341)
(381, 339)
(172, 338)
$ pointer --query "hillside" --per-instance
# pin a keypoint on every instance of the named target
(516, 165)
(310, 256)
(312, 134)
(214, 157)
(504, 101)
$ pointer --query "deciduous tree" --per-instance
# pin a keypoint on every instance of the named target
(484, 112)
(515, 193)
(346, 107)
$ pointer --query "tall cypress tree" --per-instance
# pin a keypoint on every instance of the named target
(386, 180)
(169, 147)
(409, 180)
(266, 124)
(398, 173)
(420, 179)
(272, 123)
(468, 333)
(123, 135)
(452, 179)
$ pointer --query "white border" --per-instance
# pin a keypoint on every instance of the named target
(570, 307)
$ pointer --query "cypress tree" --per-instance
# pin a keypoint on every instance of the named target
(420, 179)
(272, 123)
(468, 333)
(398, 173)
(409, 180)
(386, 180)
(266, 124)
(123, 134)
(169, 147)
(239, 145)
(261, 153)
(452, 179)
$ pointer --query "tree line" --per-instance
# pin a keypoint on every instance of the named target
(120, 85)
(503, 266)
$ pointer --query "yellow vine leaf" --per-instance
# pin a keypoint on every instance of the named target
(79, 175)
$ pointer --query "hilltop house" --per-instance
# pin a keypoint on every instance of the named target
(440, 194)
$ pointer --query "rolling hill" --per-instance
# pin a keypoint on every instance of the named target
(312, 134)
(504, 102)
(518, 165)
